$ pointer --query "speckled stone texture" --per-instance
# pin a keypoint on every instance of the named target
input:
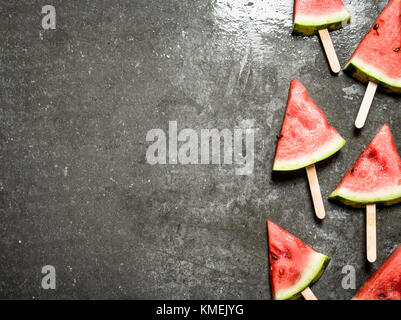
(76, 191)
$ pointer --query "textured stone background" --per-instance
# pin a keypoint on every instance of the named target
(76, 191)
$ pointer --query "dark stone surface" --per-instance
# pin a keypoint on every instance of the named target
(77, 192)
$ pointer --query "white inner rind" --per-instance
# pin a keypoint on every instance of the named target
(374, 72)
(336, 17)
(323, 152)
(384, 194)
(316, 263)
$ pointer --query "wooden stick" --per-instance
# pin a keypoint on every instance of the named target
(371, 232)
(315, 191)
(308, 294)
(330, 51)
(365, 106)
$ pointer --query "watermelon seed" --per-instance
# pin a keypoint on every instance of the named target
(274, 257)
(372, 155)
(279, 136)
(397, 49)
(376, 26)
(352, 170)
(382, 295)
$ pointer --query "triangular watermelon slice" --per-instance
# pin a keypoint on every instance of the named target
(313, 15)
(294, 266)
(306, 136)
(378, 56)
(376, 175)
(385, 284)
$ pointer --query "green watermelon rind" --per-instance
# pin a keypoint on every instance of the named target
(324, 152)
(385, 197)
(310, 25)
(312, 273)
(364, 73)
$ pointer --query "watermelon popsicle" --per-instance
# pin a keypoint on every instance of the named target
(305, 138)
(320, 16)
(377, 59)
(374, 179)
(294, 266)
(385, 284)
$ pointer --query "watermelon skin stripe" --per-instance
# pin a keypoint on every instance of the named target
(312, 273)
(364, 72)
(384, 197)
(309, 25)
(323, 153)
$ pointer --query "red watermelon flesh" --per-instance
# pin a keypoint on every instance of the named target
(317, 7)
(293, 265)
(306, 137)
(376, 175)
(378, 56)
(312, 15)
(385, 284)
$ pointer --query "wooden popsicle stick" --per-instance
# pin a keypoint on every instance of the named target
(365, 106)
(308, 294)
(315, 191)
(371, 232)
(330, 51)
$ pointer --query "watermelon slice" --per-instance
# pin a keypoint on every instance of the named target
(305, 137)
(378, 57)
(313, 15)
(385, 284)
(376, 175)
(294, 266)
